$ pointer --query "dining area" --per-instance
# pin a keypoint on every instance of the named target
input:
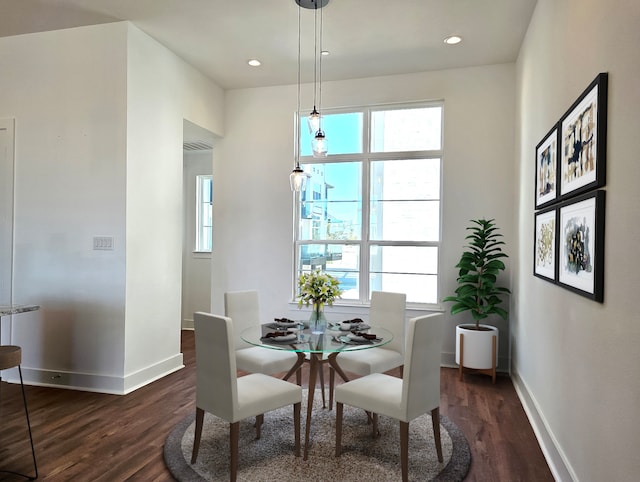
(368, 418)
(149, 434)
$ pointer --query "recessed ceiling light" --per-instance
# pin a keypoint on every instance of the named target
(454, 39)
(325, 52)
(254, 62)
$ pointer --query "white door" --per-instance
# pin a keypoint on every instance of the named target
(6, 216)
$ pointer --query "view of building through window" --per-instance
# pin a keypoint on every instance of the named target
(370, 212)
(204, 213)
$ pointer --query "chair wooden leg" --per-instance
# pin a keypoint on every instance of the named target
(234, 435)
(435, 422)
(197, 435)
(321, 374)
(332, 382)
(374, 425)
(259, 422)
(296, 423)
(338, 429)
(404, 450)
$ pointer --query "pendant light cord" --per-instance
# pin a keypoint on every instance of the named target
(320, 77)
(315, 54)
(296, 154)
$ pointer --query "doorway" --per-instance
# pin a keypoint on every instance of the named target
(198, 144)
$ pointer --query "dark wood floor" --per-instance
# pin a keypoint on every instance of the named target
(84, 436)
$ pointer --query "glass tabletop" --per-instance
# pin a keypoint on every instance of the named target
(304, 339)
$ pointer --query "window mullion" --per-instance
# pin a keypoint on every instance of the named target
(366, 192)
(364, 248)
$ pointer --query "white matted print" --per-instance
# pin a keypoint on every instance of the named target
(583, 141)
(547, 169)
(581, 250)
(544, 263)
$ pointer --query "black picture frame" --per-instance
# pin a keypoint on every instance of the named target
(545, 244)
(547, 168)
(583, 141)
(581, 245)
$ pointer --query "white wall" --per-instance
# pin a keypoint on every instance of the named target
(576, 361)
(254, 204)
(98, 151)
(196, 267)
(70, 141)
(162, 91)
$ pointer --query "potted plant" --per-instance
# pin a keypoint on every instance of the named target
(318, 288)
(477, 292)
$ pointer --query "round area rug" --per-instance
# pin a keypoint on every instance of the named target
(271, 457)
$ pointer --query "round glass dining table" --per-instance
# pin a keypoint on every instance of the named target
(320, 346)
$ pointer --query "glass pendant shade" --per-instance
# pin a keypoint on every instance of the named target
(297, 179)
(314, 120)
(319, 145)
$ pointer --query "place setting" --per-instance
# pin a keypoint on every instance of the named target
(350, 332)
(353, 332)
(280, 323)
(281, 330)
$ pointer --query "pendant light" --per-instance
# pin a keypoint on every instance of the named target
(314, 117)
(297, 178)
(319, 143)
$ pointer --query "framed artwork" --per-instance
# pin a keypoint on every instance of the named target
(545, 244)
(583, 140)
(581, 245)
(547, 154)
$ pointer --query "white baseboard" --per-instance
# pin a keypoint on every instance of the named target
(90, 382)
(143, 377)
(557, 461)
(187, 324)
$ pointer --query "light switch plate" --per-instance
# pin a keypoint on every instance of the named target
(103, 242)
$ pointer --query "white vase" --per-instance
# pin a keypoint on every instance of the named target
(478, 346)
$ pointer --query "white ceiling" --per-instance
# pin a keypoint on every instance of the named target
(366, 38)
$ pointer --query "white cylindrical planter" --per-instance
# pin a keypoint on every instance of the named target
(478, 347)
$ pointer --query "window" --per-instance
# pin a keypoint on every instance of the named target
(370, 211)
(204, 213)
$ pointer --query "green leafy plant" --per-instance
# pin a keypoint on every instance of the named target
(479, 267)
(318, 288)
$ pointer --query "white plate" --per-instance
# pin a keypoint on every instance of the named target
(279, 339)
(353, 339)
(284, 324)
(353, 326)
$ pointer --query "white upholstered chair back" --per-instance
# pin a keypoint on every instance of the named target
(244, 309)
(216, 376)
(387, 310)
(421, 377)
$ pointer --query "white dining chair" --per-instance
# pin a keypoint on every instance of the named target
(222, 393)
(387, 310)
(244, 309)
(406, 398)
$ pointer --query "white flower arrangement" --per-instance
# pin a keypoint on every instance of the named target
(318, 288)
